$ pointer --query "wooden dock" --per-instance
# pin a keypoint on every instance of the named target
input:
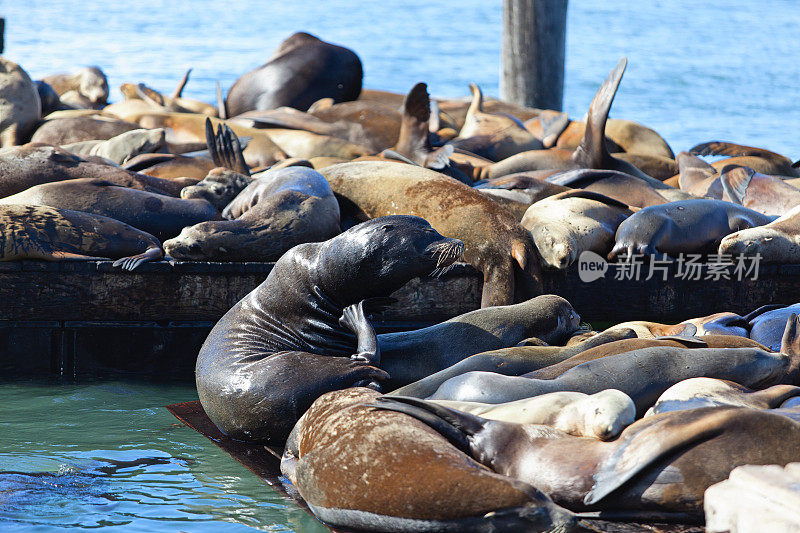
(87, 319)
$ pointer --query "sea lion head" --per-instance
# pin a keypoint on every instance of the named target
(771, 244)
(386, 252)
(93, 85)
(556, 247)
(200, 242)
(605, 414)
(219, 187)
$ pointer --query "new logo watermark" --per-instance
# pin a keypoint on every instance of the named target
(638, 267)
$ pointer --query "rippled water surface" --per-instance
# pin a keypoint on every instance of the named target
(697, 70)
(108, 455)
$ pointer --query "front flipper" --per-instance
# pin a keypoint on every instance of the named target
(354, 318)
(130, 263)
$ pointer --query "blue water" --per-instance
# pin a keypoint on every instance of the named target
(697, 70)
(107, 454)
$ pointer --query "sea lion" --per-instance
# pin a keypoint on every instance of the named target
(759, 192)
(591, 153)
(20, 105)
(159, 215)
(282, 346)
(758, 159)
(278, 210)
(685, 226)
(170, 166)
(89, 84)
(512, 361)
(301, 71)
(569, 223)
(60, 131)
(48, 98)
(725, 323)
(412, 355)
(39, 232)
(697, 177)
(602, 415)
(493, 240)
(651, 330)
(123, 147)
(659, 465)
(629, 345)
(659, 167)
(174, 102)
(771, 325)
(776, 242)
(401, 475)
(625, 188)
(219, 187)
(495, 136)
(642, 374)
(22, 167)
(708, 392)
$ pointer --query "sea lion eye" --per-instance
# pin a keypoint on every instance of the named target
(387, 227)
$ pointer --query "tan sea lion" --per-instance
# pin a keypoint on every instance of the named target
(39, 232)
(708, 392)
(402, 475)
(620, 186)
(766, 194)
(569, 223)
(170, 166)
(657, 466)
(602, 415)
(20, 105)
(494, 241)
(62, 131)
(88, 85)
(776, 242)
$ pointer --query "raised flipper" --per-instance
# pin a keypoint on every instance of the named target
(760, 311)
(414, 139)
(69, 256)
(225, 149)
(592, 151)
(692, 170)
(553, 124)
(667, 435)
(737, 150)
(354, 319)
(735, 180)
(130, 263)
(181, 84)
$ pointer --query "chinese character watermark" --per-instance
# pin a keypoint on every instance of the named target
(635, 267)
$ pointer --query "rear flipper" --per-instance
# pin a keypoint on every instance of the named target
(130, 263)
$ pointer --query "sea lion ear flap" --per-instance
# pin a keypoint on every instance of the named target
(321, 104)
(790, 343)
(735, 180)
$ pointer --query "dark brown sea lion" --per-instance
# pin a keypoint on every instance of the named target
(620, 186)
(20, 105)
(591, 153)
(685, 226)
(494, 241)
(301, 71)
(758, 159)
(59, 131)
(159, 215)
(22, 167)
(642, 374)
(89, 84)
(660, 465)
(278, 210)
(282, 345)
(381, 123)
(401, 475)
(659, 167)
(38, 232)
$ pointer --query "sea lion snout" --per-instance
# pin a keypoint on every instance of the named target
(446, 251)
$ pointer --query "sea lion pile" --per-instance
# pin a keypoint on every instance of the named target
(510, 417)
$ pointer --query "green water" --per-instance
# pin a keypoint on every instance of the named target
(108, 455)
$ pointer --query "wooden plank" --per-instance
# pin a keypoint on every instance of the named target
(533, 51)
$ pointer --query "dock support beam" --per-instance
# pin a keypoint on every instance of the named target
(534, 41)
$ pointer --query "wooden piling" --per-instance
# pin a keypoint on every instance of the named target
(534, 41)
(2, 34)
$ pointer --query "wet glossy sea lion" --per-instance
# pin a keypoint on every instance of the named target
(548, 317)
(776, 242)
(278, 210)
(708, 392)
(301, 71)
(495, 136)
(88, 84)
(159, 215)
(629, 345)
(771, 324)
(22, 167)
(282, 345)
(642, 374)
(685, 226)
(513, 361)
(401, 475)
(602, 415)
(61, 131)
(20, 105)
(591, 153)
(569, 223)
(494, 242)
(661, 464)
(725, 323)
(38, 232)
